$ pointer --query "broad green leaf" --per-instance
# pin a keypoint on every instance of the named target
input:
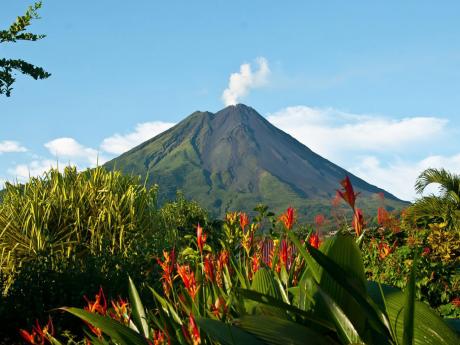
(343, 249)
(344, 326)
(408, 332)
(429, 328)
(227, 334)
(318, 323)
(137, 309)
(121, 334)
(277, 331)
(265, 283)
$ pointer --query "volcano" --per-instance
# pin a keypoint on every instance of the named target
(235, 159)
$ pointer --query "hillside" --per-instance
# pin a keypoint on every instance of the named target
(234, 159)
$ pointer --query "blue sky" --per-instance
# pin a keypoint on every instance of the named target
(372, 87)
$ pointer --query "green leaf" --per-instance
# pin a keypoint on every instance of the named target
(429, 328)
(167, 307)
(318, 323)
(227, 334)
(345, 281)
(344, 326)
(408, 332)
(138, 311)
(121, 334)
(265, 283)
(276, 331)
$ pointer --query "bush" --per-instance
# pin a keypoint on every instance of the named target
(65, 234)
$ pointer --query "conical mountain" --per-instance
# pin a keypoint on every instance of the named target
(235, 159)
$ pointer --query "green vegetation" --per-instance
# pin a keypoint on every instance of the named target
(68, 237)
(16, 32)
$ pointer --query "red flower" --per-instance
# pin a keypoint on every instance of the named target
(347, 193)
(456, 302)
(188, 278)
(319, 219)
(288, 218)
(200, 237)
(168, 269)
(192, 333)
(382, 216)
(358, 221)
(255, 263)
(284, 253)
(385, 249)
(38, 334)
(244, 220)
(426, 251)
(99, 306)
(120, 308)
(159, 338)
(219, 307)
(223, 259)
(314, 240)
(209, 268)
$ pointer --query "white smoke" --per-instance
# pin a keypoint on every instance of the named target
(241, 82)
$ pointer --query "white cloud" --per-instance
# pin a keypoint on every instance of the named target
(22, 172)
(399, 177)
(69, 148)
(11, 146)
(118, 143)
(332, 133)
(241, 82)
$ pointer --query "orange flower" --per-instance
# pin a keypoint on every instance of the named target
(244, 220)
(99, 306)
(200, 238)
(255, 263)
(192, 333)
(160, 338)
(358, 221)
(219, 307)
(223, 259)
(385, 249)
(382, 216)
(188, 278)
(314, 240)
(120, 308)
(38, 334)
(209, 268)
(347, 193)
(168, 268)
(288, 218)
(456, 302)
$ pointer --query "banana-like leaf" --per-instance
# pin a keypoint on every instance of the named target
(316, 322)
(408, 331)
(265, 283)
(344, 326)
(352, 284)
(277, 331)
(227, 334)
(137, 310)
(121, 334)
(429, 328)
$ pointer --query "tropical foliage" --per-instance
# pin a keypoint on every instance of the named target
(263, 285)
(17, 32)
